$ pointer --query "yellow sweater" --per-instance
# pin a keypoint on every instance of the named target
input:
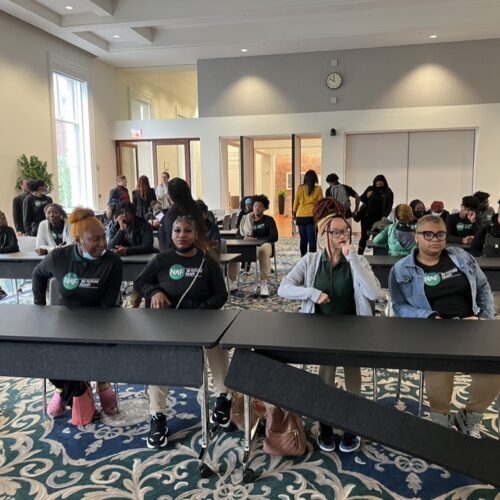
(304, 202)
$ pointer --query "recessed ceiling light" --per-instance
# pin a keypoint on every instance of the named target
(69, 7)
(433, 36)
(244, 50)
(116, 36)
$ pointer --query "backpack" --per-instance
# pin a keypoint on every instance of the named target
(285, 435)
(339, 193)
(491, 246)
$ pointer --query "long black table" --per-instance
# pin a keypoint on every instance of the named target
(382, 264)
(138, 346)
(265, 342)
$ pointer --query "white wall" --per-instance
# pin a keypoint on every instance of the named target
(26, 125)
(485, 118)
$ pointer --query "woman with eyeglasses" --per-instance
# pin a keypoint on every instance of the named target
(336, 281)
(445, 283)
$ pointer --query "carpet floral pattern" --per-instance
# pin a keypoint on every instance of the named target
(50, 459)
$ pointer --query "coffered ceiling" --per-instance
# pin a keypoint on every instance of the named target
(138, 33)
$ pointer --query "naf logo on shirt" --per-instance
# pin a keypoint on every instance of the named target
(463, 227)
(178, 271)
(432, 279)
(71, 281)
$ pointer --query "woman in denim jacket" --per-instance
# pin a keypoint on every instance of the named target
(438, 282)
(335, 281)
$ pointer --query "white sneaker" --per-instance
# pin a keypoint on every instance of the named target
(233, 285)
(264, 290)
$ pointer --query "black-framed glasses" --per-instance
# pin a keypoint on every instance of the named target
(430, 235)
(337, 233)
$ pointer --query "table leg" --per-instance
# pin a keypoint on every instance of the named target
(16, 290)
(205, 470)
(227, 283)
(250, 433)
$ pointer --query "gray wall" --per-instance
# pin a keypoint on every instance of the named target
(437, 74)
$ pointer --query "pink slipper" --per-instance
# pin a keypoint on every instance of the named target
(108, 401)
(55, 408)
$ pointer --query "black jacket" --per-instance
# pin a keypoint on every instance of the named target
(33, 213)
(8, 240)
(165, 229)
(141, 205)
(17, 211)
(493, 229)
(378, 205)
(138, 238)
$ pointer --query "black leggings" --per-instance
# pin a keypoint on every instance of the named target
(366, 225)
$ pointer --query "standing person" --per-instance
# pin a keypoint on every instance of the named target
(334, 282)
(162, 191)
(377, 203)
(119, 194)
(437, 208)
(342, 193)
(485, 213)
(143, 196)
(53, 231)
(306, 196)
(8, 243)
(258, 226)
(199, 285)
(462, 226)
(130, 235)
(439, 282)
(17, 206)
(34, 207)
(399, 237)
(182, 201)
(87, 276)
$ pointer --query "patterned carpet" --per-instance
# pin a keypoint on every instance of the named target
(108, 459)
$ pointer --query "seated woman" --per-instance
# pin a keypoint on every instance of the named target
(438, 282)
(437, 208)
(87, 276)
(8, 243)
(487, 240)
(199, 285)
(258, 226)
(399, 237)
(418, 209)
(335, 281)
(53, 231)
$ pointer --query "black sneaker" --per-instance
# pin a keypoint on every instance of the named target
(3, 294)
(349, 443)
(325, 438)
(157, 431)
(222, 411)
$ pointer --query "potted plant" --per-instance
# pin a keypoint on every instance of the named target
(281, 201)
(35, 169)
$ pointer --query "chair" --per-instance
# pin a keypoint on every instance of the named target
(226, 223)
(234, 220)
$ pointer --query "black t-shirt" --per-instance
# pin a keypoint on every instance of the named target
(34, 212)
(81, 282)
(459, 228)
(447, 288)
(172, 274)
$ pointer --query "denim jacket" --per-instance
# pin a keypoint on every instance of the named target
(406, 284)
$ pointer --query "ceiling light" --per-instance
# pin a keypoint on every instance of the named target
(244, 50)
(116, 36)
(69, 7)
(433, 36)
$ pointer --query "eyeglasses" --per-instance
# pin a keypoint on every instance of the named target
(430, 235)
(337, 233)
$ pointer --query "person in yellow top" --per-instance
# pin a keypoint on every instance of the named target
(307, 195)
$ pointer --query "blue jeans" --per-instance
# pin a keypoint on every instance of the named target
(307, 236)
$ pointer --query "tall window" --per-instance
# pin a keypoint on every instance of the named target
(73, 141)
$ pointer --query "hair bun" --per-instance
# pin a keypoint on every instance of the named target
(327, 206)
(79, 214)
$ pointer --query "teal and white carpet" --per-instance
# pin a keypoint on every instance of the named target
(109, 460)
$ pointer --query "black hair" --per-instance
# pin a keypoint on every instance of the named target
(180, 194)
(470, 202)
(35, 185)
(203, 206)
(481, 196)
(310, 180)
(414, 203)
(58, 207)
(332, 178)
(126, 206)
(262, 198)
(382, 178)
